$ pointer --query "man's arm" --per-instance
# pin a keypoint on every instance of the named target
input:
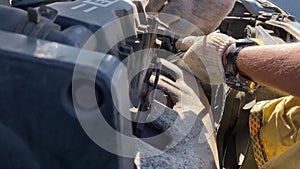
(276, 66)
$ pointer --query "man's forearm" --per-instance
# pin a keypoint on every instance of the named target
(276, 66)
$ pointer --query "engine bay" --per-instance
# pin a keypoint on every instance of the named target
(67, 60)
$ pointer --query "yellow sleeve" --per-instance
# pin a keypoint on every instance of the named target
(279, 122)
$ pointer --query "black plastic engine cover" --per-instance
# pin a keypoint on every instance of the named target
(39, 128)
(94, 14)
(111, 21)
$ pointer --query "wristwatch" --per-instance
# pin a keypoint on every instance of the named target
(233, 78)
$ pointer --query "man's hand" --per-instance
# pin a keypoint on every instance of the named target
(205, 15)
(155, 5)
(204, 56)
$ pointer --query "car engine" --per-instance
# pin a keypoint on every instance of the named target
(63, 63)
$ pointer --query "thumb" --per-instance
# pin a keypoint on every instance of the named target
(185, 43)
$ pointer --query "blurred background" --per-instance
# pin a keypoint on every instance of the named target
(291, 6)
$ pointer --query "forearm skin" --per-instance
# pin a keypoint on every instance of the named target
(276, 66)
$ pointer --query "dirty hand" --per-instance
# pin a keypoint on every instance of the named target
(204, 56)
(188, 123)
(190, 16)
